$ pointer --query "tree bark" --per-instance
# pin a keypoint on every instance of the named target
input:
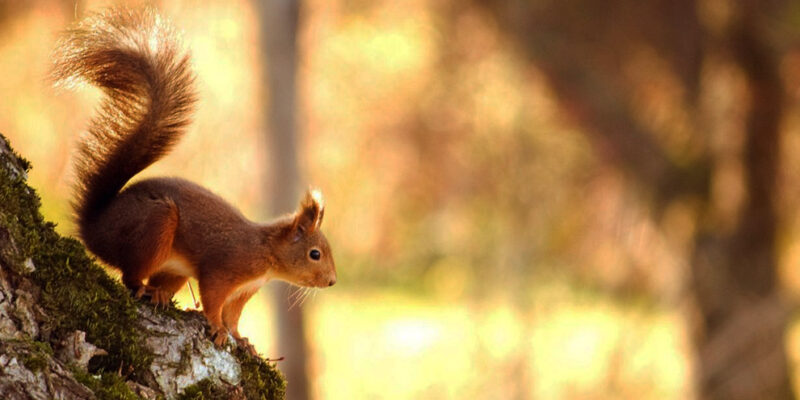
(279, 24)
(743, 319)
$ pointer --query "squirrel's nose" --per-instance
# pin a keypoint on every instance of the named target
(332, 282)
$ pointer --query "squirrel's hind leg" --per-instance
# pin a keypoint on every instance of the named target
(150, 245)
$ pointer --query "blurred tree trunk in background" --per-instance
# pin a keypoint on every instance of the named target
(741, 350)
(278, 24)
(583, 48)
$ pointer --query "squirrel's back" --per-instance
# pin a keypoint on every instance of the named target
(134, 58)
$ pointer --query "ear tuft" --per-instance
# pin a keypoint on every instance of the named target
(316, 196)
(309, 216)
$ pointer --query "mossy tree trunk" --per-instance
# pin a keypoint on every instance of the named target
(69, 331)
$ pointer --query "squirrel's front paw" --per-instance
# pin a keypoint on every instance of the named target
(139, 292)
(157, 296)
(219, 335)
(160, 297)
(143, 292)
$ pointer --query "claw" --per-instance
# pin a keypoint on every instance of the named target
(219, 336)
(140, 292)
(160, 298)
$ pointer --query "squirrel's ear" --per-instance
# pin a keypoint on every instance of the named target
(309, 217)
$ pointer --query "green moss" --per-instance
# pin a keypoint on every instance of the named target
(106, 386)
(76, 294)
(34, 355)
(260, 379)
(171, 311)
(37, 358)
(81, 296)
(204, 390)
(19, 212)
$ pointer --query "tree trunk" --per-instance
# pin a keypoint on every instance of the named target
(279, 23)
(64, 322)
(743, 320)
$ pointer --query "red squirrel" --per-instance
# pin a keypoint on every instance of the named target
(165, 230)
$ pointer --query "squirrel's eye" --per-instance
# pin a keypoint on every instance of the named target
(314, 254)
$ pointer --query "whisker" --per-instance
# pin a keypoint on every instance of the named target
(295, 293)
(297, 299)
(292, 292)
(305, 296)
(291, 306)
(312, 292)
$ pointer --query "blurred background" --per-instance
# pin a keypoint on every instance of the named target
(526, 199)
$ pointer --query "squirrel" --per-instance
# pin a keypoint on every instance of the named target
(166, 230)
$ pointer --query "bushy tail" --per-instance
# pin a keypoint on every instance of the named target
(134, 58)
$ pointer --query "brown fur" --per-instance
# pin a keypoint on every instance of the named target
(165, 230)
